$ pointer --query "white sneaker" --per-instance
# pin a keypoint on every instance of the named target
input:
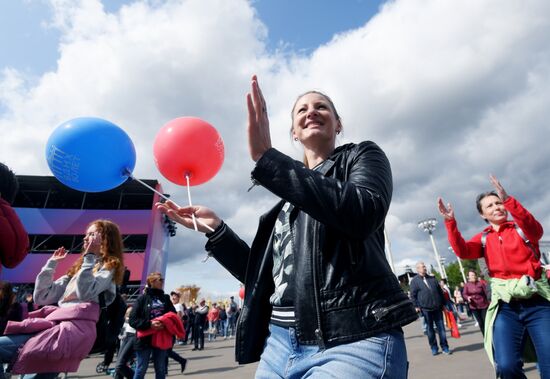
(476, 324)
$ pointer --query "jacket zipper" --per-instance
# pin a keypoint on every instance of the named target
(318, 331)
(380, 313)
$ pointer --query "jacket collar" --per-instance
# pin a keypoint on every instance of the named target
(328, 163)
(505, 225)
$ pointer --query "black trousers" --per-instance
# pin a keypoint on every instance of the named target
(198, 332)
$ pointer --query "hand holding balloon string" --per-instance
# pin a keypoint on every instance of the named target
(186, 149)
(185, 215)
(174, 205)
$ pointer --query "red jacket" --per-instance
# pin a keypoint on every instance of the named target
(213, 314)
(14, 241)
(506, 253)
(163, 339)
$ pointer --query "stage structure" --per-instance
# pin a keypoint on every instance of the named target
(55, 215)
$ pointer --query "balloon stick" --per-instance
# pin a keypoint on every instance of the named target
(129, 174)
(190, 203)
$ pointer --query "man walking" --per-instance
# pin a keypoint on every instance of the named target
(231, 318)
(201, 313)
(427, 297)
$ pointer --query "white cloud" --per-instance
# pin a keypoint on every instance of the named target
(452, 91)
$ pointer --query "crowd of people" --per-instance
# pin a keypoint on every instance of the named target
(138, 346)
(316, 275)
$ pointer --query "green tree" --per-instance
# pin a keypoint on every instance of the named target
(454, 277)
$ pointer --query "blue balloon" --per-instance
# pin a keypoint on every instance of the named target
(90, 154)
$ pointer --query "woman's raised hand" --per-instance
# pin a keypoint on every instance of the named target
(498, 187)
(259, 138)
(446, 211)
(59, 254)
(94, 244)
(183, 216)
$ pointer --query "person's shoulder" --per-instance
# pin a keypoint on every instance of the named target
(363, 145)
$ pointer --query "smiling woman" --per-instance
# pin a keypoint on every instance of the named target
(316, 272)
(315, 121)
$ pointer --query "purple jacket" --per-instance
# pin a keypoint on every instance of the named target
(65, 337)
(476, 295)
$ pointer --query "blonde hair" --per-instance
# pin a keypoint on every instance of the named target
(152, 277)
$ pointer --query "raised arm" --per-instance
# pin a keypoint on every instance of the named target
(46, 290)
(356, 207)
(526, 221)
(471, 249)
(89, 284)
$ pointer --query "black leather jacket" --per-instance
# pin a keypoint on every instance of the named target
(345, 289)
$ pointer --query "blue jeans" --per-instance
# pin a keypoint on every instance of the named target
(9, 345)
(435, 317)
(513, 322)
(159, 361)
(124, 355)
(221, 327)
(380, 356)
(229, 324)
(212, 330)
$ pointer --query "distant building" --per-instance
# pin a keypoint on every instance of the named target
(55, 215)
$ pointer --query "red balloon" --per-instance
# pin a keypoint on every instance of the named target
(241, 293)
(188, 145)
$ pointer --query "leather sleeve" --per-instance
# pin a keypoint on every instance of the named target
(355, 203)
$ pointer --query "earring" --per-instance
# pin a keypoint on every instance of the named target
(338, 131)
(295, 139)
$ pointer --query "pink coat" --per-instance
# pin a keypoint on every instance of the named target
(65, 337)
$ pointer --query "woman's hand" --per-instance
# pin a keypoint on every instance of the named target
(446, 211)
(94, 244)
(59, 254)
(183, 216)
(498, 187)
(259, 138)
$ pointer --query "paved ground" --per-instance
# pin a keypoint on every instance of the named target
(217, 360)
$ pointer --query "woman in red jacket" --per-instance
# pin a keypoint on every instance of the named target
(511, 252)
(14, 241)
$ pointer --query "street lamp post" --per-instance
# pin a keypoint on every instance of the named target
(459, 264)
(442, 259)
(428, 225)
(408, 271)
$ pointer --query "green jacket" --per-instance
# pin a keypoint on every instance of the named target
(504, 290)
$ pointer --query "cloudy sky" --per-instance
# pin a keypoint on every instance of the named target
(452, 91)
